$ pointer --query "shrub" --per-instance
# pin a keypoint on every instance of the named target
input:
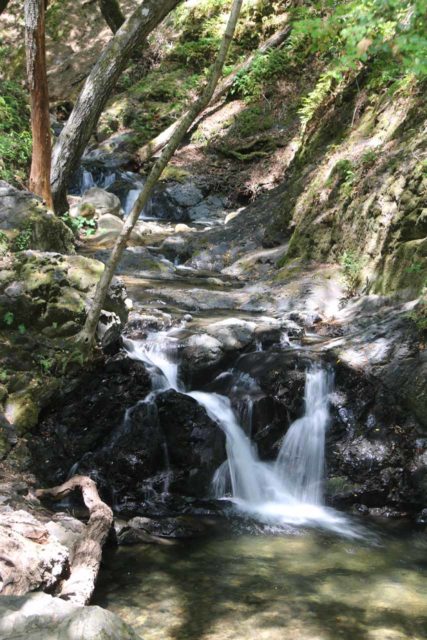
(15, 136)
(351, 267)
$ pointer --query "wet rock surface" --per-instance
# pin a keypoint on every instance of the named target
(40, 616)
(136, 451)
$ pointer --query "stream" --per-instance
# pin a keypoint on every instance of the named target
(306, 586)
(281, 564)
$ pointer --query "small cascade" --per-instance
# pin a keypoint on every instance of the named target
(288, 491)
(300, 463)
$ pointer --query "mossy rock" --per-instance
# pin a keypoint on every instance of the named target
(21, 411)
(29, 225)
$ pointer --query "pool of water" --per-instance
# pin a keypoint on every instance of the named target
(308, 585)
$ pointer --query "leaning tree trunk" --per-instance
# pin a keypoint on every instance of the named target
(157, 143)
(96, 91)
(87, 335)
(37, 83)
(112, 13)
(87, 552)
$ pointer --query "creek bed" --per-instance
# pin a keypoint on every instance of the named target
(306, 586)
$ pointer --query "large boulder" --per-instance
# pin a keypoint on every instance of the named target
(137, 450)
(40, 616)
(50, 291)
(100, 202)
(29, 225)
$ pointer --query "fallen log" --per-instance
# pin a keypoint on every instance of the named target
(157, 143)
(87, 552)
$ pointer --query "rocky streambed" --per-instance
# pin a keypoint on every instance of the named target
(233, 322)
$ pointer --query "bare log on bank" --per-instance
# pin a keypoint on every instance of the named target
(87, 552)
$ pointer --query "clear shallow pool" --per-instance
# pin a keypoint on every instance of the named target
(308, 586)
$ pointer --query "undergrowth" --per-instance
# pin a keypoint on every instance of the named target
(15, 135)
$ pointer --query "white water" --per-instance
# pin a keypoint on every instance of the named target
(288, 491)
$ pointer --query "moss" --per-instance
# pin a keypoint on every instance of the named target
(174, 174)
(21, 411)
(404, 270)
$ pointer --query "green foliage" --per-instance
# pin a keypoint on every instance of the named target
(252, 120)
(311, 102)
(3, 375)
(369, 158)
(415, 267)
(351, 268)
(15, 136)
(8, 318)
(198, 54)
(265, 69)
(419, 315)
(79, 224)
(4, 243)
(22, 241)
(46, 364)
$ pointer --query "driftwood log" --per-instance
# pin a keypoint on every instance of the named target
(157, 143)
(87, 552)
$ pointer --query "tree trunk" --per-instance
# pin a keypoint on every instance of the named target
(87, 552)
(112, 13)
(37, 83)
(3, 5)
(96, 91)
(87, 335)
(157, 143)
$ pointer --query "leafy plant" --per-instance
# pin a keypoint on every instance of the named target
(8, 318)
(4, 243)
(414, 267)
(419, 317)
(22, 241)
(15, 136)
(86, 226)
(351, 267)
(46, 363)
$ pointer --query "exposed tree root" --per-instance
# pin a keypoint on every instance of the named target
(87, 553)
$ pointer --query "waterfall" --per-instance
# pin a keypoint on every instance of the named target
(301, 458)
(288, 491)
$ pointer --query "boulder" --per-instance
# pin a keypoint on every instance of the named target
(49, 290)
(40, 616)
(185, 195)
(29, 225)
(232, 333)
(31, 557)
(101, 201)
(200, 352)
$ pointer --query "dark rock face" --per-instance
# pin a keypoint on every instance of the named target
(85, 416)
(138, 451)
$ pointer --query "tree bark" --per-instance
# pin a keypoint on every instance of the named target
(3, 5)
(87, 552)
(87, 335)
(157, 143)
(112, 13)
(37, 83)
(96, 91)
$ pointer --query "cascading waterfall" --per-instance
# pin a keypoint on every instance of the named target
(288, 491)
(300, 463)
